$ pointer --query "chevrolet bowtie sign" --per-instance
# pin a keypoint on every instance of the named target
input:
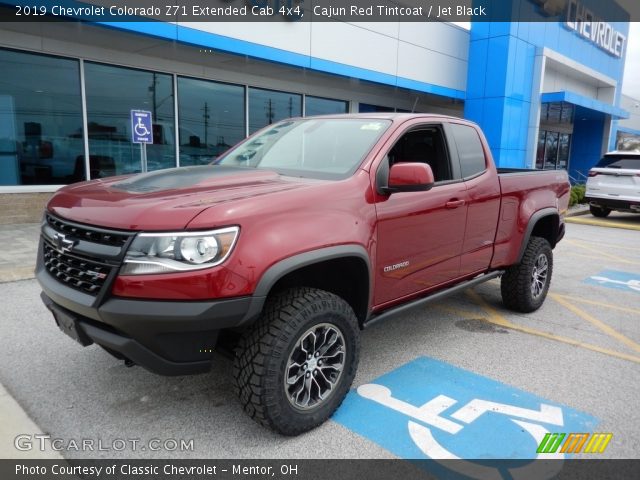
(582, 20)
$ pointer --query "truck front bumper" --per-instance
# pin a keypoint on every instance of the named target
(165, 337)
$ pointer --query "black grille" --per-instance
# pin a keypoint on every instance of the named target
(79, 273)
(86, 233)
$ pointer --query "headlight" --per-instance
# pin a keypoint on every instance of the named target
(178, 252)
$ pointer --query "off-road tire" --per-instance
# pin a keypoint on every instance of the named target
(599, 212)
(262, 356)
(516, 284)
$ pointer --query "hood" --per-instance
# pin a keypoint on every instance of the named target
(166, 199)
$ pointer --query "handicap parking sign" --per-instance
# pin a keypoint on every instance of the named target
(141, 130)
(429, 409)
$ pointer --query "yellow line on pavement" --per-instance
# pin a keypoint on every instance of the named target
(612, 245)
(594, 321)
(600, 223)
(497, 319)
(600, 253)
(599, 304)
(590, 256)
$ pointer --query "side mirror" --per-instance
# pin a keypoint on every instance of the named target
(409, 177)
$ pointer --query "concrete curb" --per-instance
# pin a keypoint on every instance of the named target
(580, 210)
(14, 421)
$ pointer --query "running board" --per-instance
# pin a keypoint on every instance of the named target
(431, 298)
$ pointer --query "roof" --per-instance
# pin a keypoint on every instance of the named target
(387, 116)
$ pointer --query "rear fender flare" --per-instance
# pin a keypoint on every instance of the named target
(535, 218)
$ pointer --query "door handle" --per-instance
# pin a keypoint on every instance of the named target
(454, 203)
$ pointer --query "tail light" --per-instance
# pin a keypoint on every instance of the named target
(593, 174)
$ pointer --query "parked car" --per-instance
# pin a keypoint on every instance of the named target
(614, 184)
(298, 238)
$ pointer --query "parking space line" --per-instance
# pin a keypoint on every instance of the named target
(599, 324)
(590, 257)
(540, 333)
(612, 245)
(600, 253)
(599, 304)
(494, 317)
(600, 223)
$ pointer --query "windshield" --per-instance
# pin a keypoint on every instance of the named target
(620, 161)
(323, 148)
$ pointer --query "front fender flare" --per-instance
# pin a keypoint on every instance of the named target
(278, 270)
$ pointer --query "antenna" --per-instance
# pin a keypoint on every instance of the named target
(413, 109)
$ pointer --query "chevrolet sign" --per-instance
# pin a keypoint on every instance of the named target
(582, 20)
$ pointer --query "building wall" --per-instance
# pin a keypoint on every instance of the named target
(631, 105)
(430, 57)
(92, 43)
(508, 70)
(22, 207)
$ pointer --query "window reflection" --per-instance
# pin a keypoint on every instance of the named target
(40, 120)
(268, 106)
(553, 150)
(563, 151)
(324, 106)
(540, 150)
(368, 108)
(112, 92)
(211, 117)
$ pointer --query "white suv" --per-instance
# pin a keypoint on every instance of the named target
(614, 184)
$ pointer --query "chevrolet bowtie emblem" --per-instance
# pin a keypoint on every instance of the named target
(63, 245)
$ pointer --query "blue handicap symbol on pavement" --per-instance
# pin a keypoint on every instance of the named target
(141, 129)
(431, 409)
(627, 281)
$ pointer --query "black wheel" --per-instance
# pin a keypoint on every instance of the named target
(599, 212)
(295, 365)
(524, 286)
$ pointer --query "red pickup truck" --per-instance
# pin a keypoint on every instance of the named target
(288, 245)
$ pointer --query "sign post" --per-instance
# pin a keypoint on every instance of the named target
(142, 132)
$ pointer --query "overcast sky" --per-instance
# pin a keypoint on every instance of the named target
(631, 82)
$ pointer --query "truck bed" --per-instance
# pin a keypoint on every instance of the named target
(524, 193)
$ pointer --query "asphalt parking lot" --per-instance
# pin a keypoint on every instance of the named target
(572, 366)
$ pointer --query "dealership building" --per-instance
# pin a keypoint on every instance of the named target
(547, 94)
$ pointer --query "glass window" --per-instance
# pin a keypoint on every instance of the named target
(324, 106)
(112, 92)
(268, 106)
(551, 151)
(328, 148)
(627, 141)
(566, 115)
(553, 115)
(540, 151)
(40, 120)
(211, 117)
(628, 161)
(470, 151)
(564, 143)
(544, 112)
(368, 108)
(425, 145)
